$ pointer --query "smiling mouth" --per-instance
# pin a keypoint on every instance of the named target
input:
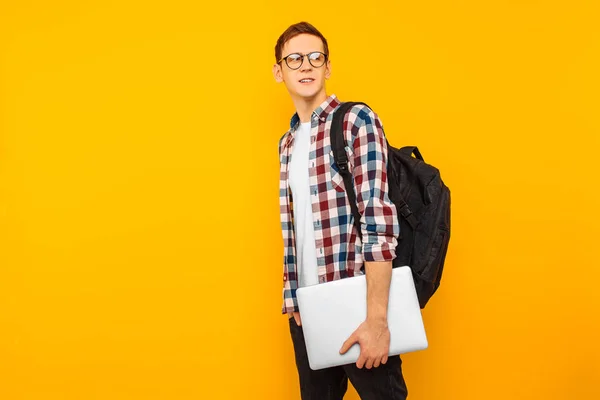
(306, 81)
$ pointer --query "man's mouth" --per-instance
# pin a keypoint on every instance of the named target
(306, 81)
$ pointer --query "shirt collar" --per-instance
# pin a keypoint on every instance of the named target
(327, 106)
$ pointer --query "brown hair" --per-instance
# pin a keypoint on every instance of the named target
(295, 30)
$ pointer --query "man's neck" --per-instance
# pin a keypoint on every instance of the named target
(305, 106)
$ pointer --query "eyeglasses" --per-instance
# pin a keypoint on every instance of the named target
(295, 60)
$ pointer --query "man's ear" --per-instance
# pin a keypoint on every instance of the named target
(328, 69)
(277, 73)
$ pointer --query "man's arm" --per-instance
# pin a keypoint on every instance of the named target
(380, 230)
(379, 275)
(290, 303)
(378, 215)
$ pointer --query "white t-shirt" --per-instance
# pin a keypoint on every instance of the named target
(306, 252)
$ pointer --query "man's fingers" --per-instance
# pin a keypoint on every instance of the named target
(369, 363)
(384, 359)
(360, 362)
(377, 362)
(297, 317)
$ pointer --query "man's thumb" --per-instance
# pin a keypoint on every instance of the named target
(348, 343)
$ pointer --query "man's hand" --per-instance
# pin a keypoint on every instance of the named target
(296, 316)
(373, 337)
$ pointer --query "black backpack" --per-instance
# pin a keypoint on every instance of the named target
(422, 201)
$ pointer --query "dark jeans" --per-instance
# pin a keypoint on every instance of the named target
(382, 383)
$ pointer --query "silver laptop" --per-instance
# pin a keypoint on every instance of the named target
(331, 311)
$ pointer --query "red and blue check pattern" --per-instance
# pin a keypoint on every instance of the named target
(340, 252)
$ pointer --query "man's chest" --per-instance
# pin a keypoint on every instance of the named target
(314, 148)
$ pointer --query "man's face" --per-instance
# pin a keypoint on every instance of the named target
(303, 44)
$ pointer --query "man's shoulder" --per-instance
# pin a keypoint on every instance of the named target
(283, 137)
(282, 140)
(363, 119)
(362, 113)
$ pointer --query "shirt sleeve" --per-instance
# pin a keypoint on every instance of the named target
(290, 302)
(379, 219)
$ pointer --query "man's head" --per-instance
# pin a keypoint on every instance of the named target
(300, 43)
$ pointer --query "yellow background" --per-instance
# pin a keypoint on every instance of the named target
(140, 248)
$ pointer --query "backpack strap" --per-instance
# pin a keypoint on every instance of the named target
(409, 150)
(406, 212)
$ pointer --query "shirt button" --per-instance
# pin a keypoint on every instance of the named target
(285, 278)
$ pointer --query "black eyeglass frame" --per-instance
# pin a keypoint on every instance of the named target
(302, 62)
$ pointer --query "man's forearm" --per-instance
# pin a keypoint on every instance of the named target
(378, 275)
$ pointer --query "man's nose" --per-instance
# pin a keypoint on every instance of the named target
(305, 63)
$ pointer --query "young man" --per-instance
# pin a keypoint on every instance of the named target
(320, 240)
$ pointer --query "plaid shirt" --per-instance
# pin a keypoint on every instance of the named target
(340, 252)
